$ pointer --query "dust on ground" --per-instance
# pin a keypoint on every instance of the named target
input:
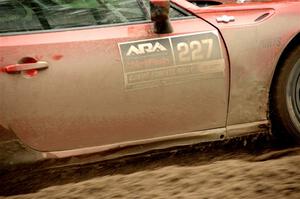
(235, 173)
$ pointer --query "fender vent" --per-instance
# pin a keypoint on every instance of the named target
(261, 17)
(207, 3)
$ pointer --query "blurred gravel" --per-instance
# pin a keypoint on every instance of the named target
(274, 174)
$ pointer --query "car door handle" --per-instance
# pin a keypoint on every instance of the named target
(26, 66)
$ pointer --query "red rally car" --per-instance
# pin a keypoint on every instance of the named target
(86, 76)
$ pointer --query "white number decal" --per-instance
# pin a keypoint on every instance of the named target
(193, 50)
(196, 48)
(210, 45)
(183, 49)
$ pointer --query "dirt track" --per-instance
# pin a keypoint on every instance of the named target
(270, 173)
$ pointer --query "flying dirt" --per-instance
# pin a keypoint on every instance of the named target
(244, 170)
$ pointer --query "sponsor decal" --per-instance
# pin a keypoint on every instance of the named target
(155, 62)
(144, 48)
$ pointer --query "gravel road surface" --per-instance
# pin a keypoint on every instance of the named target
(218, 173)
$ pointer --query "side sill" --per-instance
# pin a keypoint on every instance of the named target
(141, 146)
(239, 130)
(13, 152)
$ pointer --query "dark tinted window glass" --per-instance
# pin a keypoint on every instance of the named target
(66, 13)
(15, 16)
(29, 15)
(174, 13)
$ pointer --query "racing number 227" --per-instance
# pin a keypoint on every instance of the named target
(193, 51)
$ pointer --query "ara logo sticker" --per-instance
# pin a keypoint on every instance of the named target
(144, 55)
(144, 48)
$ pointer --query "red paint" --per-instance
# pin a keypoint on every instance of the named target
(13, 67)
(92, 39)
(9, 69)
(231, 5)
(30, 73)
(2, 70)
(57, 57)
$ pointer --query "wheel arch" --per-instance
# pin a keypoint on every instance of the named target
(291, 45)
(281, 118)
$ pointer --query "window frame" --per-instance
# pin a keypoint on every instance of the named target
(173, 6)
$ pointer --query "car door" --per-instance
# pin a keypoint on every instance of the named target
(95, 73)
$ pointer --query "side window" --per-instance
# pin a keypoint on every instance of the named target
(76, 13)
(16, 17)
(30, 15)
(177, 13)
